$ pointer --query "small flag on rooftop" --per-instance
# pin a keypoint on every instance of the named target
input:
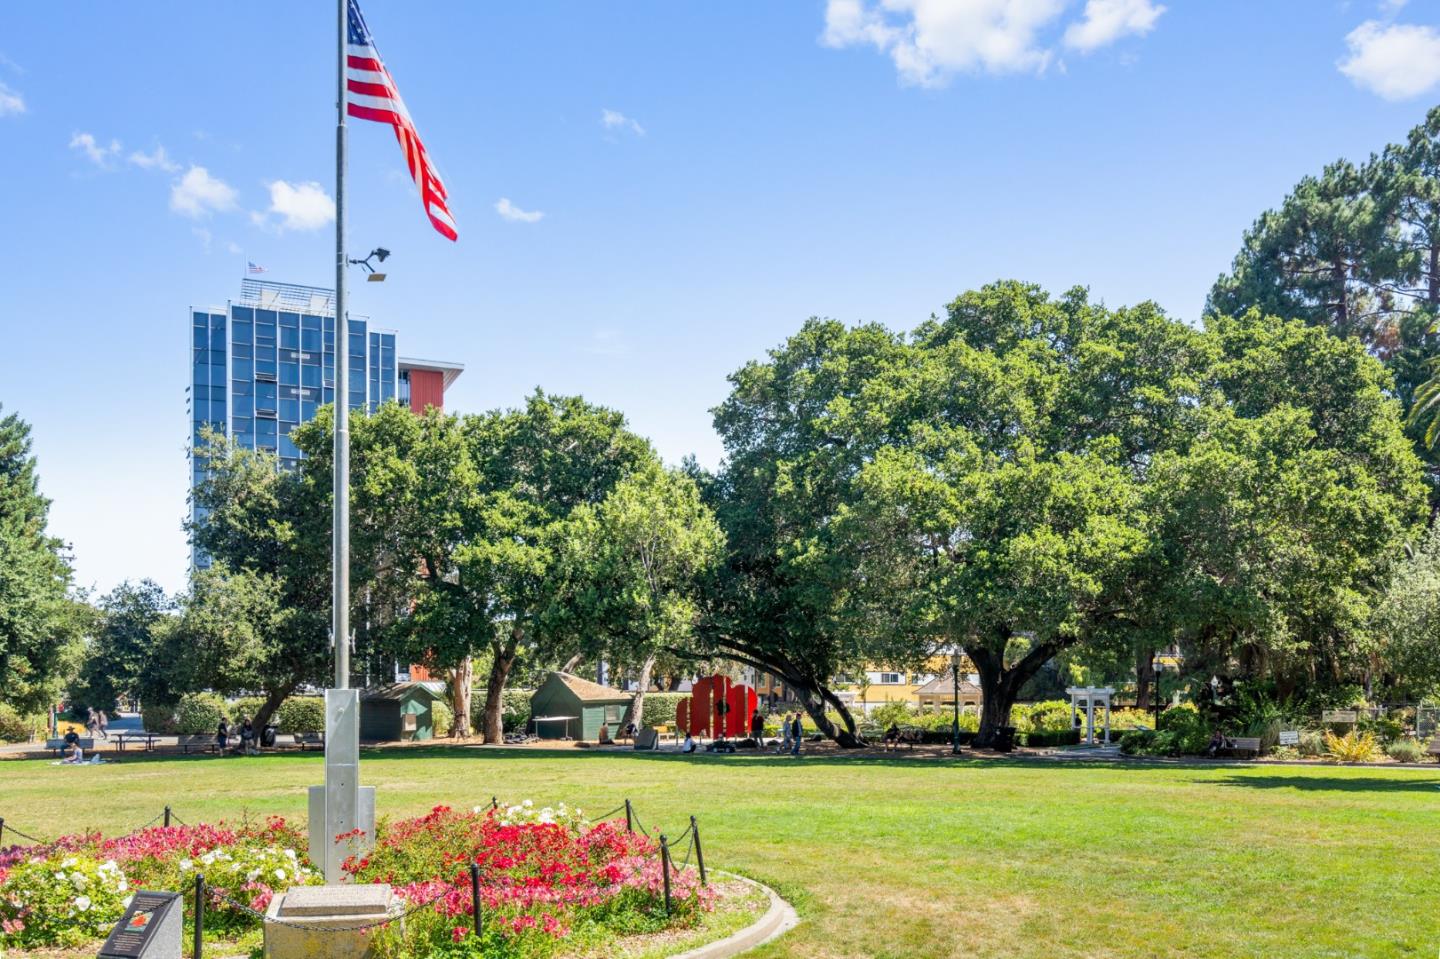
(372, 95)
(252, 267)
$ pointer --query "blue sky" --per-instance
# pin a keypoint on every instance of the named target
(761, 163)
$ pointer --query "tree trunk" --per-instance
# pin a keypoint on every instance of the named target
(272, 703)
(637, 705)
(847, 738)
(1000, 686)
(1144, 677)
(461, 679)
(495, 688)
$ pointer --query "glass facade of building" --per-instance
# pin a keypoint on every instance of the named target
(265, 364)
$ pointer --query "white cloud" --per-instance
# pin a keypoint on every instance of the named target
(99, 154)
(1397, 61)
(11, 102)
(931, 39)
(300, 206)
(1108, 20)
(157, 160)
(614, 119)
(197, 193)
(514, 214)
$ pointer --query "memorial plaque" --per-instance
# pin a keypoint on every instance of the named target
(1289, 737)
(150, 928)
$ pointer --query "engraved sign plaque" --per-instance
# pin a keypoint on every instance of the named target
(150, 928)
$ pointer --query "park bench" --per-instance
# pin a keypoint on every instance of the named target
(204, 742)
(906, 736)
(1243, 744)
(56, 745)
(304, 740)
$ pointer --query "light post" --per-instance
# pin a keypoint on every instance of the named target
(955, 683)
(1155, 667)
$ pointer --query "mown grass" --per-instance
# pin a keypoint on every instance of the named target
(910, 857)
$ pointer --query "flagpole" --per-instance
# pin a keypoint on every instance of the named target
(341, 550)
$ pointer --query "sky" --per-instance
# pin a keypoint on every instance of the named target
(648, 194)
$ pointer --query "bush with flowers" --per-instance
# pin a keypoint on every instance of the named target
(74, 889)
(550, 881)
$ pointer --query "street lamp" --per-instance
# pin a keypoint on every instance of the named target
(955, 658)
(1155, 667)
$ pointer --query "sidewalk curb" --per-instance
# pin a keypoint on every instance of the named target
(779, 919)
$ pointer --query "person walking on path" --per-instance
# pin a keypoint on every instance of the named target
(796, 733)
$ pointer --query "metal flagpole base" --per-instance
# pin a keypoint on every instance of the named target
(342, 805)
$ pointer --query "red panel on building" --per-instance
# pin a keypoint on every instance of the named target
(427, 388)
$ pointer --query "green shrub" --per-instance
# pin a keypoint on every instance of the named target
(15, 728)
(300, 714)
(659, 709)
(1387, 729)
(1406, 751)
(1138, 742)
(514, 709)
(198, 713)
(442, 717)
(158, 718)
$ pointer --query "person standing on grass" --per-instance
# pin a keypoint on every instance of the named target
(796, 732)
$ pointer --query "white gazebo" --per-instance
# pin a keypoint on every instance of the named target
(1091, 695)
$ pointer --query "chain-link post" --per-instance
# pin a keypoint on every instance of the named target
(629, 817)
(199, 915)
(699, 853)
(475, 896)
(665, 868)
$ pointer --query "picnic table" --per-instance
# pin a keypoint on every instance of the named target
(120, 739)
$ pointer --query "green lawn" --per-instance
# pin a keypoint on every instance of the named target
(899, 857)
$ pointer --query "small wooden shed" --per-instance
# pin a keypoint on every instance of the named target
(567, 706)
(398, 711)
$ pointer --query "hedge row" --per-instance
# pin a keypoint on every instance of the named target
(199, 713)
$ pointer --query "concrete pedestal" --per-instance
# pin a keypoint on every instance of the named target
(317, 922)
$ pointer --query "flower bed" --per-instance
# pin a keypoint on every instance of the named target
(551, 882)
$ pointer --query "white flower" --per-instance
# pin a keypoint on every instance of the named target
(186, 865)
(82, 903)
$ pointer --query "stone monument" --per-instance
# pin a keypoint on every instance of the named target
(326, 922)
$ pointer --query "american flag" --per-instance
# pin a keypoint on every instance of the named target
(372, 96)
(252, 267)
